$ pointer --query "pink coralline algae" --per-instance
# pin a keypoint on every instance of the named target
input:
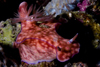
(38, 43)
(83, 5)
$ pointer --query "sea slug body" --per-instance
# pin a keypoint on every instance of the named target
(38, 43)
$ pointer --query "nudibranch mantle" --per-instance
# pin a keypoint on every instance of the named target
(42, 43)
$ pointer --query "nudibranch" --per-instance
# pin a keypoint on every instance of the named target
(38, 43)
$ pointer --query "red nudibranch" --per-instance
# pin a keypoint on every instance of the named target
(38, 44)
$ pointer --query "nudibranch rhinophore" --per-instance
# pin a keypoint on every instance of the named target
(38, 43)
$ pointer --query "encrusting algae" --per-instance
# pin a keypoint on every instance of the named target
(8, 32)
(88, 20)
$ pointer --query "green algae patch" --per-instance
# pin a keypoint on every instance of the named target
(8, 32)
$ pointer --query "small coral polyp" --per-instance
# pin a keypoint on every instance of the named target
(37, 43)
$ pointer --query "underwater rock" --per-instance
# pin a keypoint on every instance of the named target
(88, 20)
(42, 64)
(5, 61)
(78, 64)
(59, 6)
(8, 32)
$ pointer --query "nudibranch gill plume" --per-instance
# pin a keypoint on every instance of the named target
(38, 43)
